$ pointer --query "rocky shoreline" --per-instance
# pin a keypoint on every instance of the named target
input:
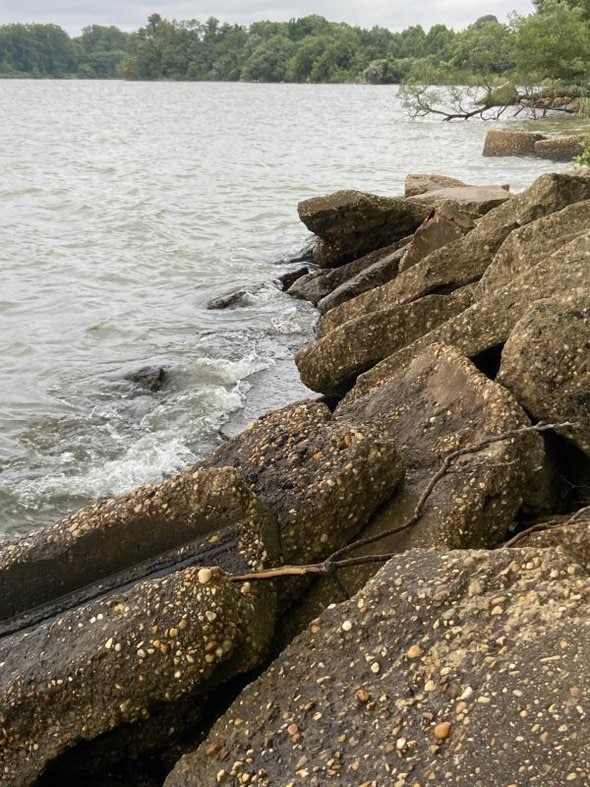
(412, 547)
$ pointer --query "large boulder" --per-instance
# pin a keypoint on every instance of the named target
(438, 403)
(486, 325)
(546, 363)
(464, 260)
(510, 143)
(113, 535)
(447, 223)
(323, 479)
(350, 223)
(525, 246)
(471, 199)
(332, 363)
(562, 148)
(124, 652)
(462, 668)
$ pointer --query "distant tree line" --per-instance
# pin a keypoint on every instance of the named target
(553, 43)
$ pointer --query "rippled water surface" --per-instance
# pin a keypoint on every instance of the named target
(127, 206)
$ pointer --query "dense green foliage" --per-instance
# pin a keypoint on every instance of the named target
(551, 44)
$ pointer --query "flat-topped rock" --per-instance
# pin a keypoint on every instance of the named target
(462, 668)
(352, 223)
(472, 199)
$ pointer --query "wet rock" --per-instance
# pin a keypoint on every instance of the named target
(121, 660)
(148, 378)
(546, 362)
(464, 260)
(420, 183)
(236, 298)
(306, 253)
(510, 143)
(384, 269)
(562, 148)
(320, 284)
(461, 668)
(288, 279)
(471, 199)
(331, 364)
(129, 652)
(116, 534)
(525, 246)
(322, 479)
(352, 223)
(446, 223)
(487, 324)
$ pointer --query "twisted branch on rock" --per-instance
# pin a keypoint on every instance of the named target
(550, 524)
(335, 562)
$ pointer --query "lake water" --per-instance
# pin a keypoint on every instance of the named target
(124, 208)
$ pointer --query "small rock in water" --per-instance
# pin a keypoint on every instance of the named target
(151, 378)
(228, 301)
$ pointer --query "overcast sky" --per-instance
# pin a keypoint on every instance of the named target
(73, 15)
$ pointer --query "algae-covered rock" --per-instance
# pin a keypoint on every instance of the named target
(465, 668)
(546, 363)
(353, 223)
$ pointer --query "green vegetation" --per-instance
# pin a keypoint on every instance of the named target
(549, 48)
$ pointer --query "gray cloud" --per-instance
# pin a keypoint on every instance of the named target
(132, 14)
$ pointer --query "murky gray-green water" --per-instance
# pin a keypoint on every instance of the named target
(125, 207)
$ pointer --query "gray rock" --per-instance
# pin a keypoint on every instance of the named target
(383, 270)
(321, 283)
(461, 668)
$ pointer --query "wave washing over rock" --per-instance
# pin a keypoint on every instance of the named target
(412, 547)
